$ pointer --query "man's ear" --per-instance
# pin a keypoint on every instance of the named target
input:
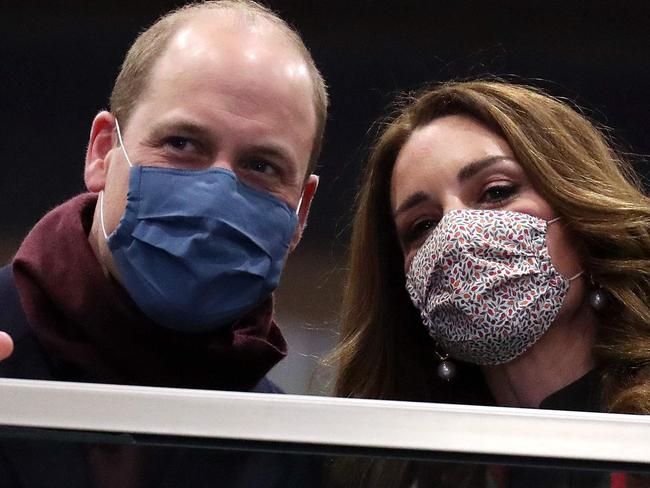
(303, 211)
(99, 145)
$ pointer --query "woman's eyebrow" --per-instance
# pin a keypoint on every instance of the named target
(475, 167)
(413, 200)
(468, 171)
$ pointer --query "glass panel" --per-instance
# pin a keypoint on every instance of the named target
(55, 434)
(35, 458)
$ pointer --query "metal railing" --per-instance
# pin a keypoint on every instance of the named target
(323, 424)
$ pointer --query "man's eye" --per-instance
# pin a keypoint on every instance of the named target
(262, 167)
(178, 143)
(498, 193)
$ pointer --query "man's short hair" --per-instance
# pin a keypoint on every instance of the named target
(133, 77)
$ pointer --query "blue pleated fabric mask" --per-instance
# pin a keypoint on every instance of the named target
(197, 249)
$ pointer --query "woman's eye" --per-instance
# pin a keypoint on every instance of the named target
(419, 229)
(498, 193)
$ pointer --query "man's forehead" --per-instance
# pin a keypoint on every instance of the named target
(225, 64)
(211, 34)
(222, 43)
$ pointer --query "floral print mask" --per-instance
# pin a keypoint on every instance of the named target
(485, 285)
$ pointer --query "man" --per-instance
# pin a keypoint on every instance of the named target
(200, 181)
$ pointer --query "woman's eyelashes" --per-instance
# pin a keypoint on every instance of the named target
(494, 195)
(497, 194)
(418, 230)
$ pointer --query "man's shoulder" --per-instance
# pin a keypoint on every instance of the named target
(12, 316)
(266, 386)
(28, 360)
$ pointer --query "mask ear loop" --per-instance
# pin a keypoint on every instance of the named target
(101, 193)
(299, 203)
(577, 275)
(101, 213)
(119, 138)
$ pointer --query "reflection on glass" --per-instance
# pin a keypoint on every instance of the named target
(48, 458)
(516, 474)
(28, 463)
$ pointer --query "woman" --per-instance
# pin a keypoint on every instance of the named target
(500, 255)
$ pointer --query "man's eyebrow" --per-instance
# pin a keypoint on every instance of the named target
(413, 200)
(475, 167)
(183, 126)
(275, 151)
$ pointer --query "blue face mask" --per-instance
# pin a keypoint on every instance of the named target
(197, 249)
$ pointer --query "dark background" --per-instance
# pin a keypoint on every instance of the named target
(58, 61)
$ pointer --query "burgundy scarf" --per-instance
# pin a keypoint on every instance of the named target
(92, 331)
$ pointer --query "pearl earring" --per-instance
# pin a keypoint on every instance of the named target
(446, 368)
(597, 299)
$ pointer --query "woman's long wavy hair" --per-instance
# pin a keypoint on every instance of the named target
(385, 352)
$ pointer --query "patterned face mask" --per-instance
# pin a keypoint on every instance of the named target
(485, 285)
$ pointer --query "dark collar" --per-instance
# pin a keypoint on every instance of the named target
(582, 395)
(89, 325)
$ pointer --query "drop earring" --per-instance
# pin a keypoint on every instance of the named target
(597, 296)
(597, 299)
(446, 368)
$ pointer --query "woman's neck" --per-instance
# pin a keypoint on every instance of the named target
(560, 357)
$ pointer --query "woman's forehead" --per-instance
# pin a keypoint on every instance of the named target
(437, 152)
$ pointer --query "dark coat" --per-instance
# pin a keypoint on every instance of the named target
(44, 463)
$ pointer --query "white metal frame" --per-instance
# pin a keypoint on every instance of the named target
(325, 421)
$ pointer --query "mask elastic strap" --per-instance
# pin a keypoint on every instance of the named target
(101, 193)
(119, 138)
(299, 203)
(101, 213)
(577, 275)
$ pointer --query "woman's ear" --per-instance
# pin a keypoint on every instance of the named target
(99, 145)
(303, 210)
